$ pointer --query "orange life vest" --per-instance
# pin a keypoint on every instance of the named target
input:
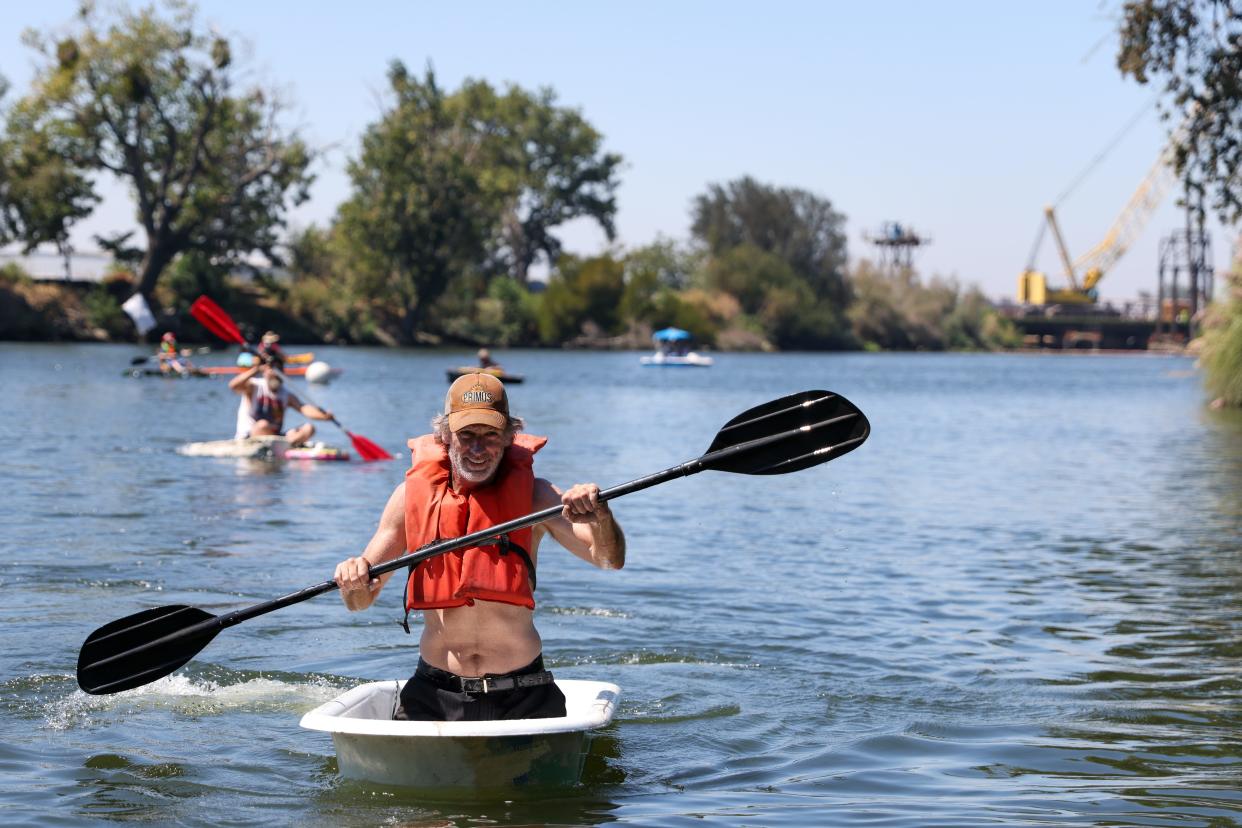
(433, 511)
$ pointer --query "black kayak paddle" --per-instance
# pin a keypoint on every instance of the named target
(785, 435)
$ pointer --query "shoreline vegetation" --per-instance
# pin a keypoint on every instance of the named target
(456, 201)
(605, 303)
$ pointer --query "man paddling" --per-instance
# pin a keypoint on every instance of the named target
(262, 409)
(486, 362)
(480, 657)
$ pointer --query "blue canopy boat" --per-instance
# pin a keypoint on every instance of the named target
(673, 350)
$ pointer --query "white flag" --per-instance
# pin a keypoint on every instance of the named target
(138, 310)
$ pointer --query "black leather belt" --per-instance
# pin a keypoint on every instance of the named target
(500, 683)
(486, 684)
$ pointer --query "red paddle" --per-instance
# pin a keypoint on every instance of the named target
(213, 317)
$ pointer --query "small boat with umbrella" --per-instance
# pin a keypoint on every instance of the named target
(673, 350)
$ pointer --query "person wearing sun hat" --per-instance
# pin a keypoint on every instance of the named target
(480, 656)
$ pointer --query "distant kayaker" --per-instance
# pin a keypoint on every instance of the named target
(269, 346)
(486, 361)
(265, 398)
(170, 355)
(480, 657)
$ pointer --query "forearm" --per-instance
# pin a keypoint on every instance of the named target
(238, 383)
(607, 543)
(314, 412)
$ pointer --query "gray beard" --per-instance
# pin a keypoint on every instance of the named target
(463, 474)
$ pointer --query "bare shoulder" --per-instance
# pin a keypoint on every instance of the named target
(545, 495)
(397, 498)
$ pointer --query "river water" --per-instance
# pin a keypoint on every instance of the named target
(1016, 604)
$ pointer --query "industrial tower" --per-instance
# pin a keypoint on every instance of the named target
(896, 244)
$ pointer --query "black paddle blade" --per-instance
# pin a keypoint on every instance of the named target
(143, 647)
(788, 435)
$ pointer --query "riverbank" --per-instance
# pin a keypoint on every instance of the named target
(44, 311)
(37, 311)
(41, 311)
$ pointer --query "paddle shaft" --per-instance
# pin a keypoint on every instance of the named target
(213, 625)
(475, 538)
(779, 437)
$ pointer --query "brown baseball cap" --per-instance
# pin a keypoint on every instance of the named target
(476, 399)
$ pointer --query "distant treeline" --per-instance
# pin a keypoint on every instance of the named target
(456, 199)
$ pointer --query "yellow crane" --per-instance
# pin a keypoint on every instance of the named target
(1033, 286)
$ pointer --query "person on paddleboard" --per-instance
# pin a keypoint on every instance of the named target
(480, 657)
(265, 398)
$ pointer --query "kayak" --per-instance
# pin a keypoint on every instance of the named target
(155, 372)
(263, 448)
(503, 376)
(316, 451)
(291, 370)
(372, 747)
(245, 359)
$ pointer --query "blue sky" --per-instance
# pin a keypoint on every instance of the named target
(961, 119)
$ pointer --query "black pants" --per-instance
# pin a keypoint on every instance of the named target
(434, 695)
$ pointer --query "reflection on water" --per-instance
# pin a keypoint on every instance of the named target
(1017, 604)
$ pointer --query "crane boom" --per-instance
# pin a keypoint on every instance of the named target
(1051, 215)
(1130, 222)
(1126, 228)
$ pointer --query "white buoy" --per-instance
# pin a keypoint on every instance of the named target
(319, 372)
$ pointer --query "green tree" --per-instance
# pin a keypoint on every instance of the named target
(150, 98)
(7, 222)
(581, 291)
(41, 194)
(419, 213)
(453, 189)
(507, 315)
(796, 226)
(781, 253)
(319, 291)
(896, 310)
(1195, 46)
(751, 275)
(779, 300)
(653, 273)
(545, 165)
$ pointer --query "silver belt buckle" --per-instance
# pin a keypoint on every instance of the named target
(485, 690)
